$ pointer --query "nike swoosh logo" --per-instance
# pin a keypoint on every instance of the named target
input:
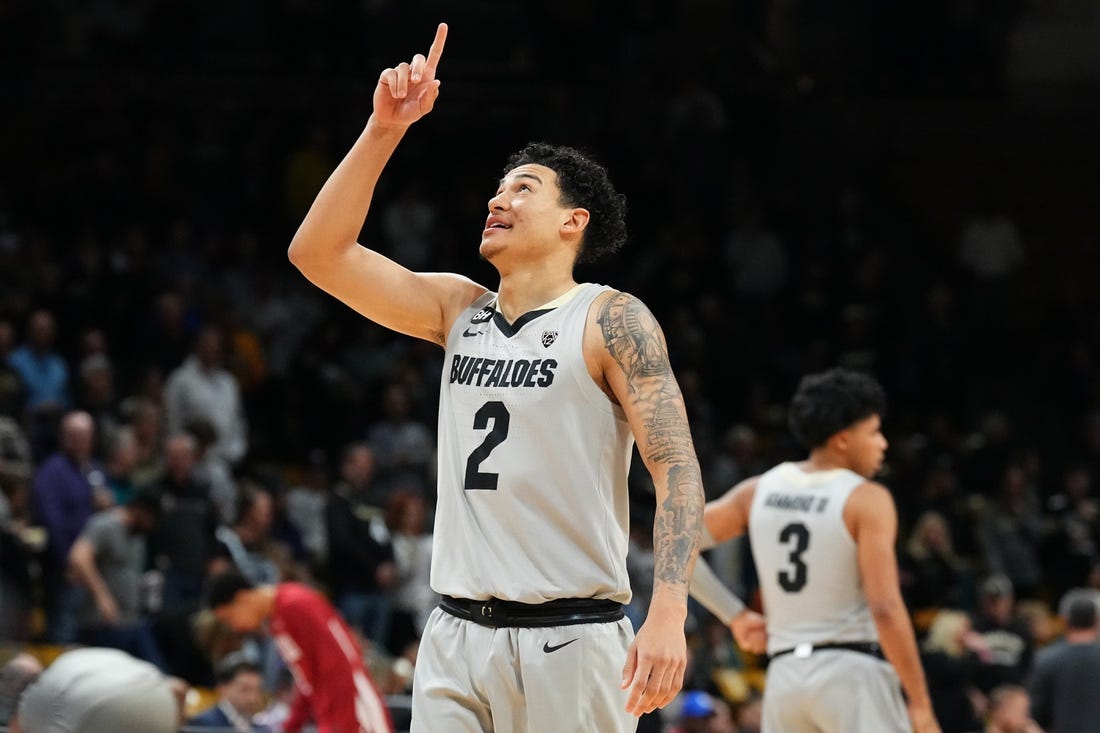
(470, 332)
(547, 648)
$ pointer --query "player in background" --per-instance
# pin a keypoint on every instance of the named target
(823, 535)
(334, 688)
(547, 386)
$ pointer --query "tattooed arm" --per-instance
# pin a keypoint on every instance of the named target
(633, 367)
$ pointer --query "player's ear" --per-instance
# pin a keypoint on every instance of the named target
(576, 221)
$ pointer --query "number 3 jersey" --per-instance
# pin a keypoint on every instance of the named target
(533, 459)
(806, 558)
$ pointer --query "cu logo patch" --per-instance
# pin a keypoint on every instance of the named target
(549, 337)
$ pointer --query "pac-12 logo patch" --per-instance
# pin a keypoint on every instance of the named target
(549, 337)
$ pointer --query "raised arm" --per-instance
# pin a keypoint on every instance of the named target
(636, 370)
(873, 520)
(325, 247)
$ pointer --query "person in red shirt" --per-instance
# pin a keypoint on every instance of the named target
(334, 688)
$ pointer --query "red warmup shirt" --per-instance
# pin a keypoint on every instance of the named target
(334, 687)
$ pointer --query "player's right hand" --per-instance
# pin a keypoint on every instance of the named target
(923, 720)
(750, 630)
(408, 91)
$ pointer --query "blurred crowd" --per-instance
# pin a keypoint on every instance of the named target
(174, 396)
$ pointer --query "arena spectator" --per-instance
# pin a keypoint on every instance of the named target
(403, 446)
(361, 568)
(932, 574)
(1064, 680)
(1007, 636)
(95, 394)
(202, 388)
(413, 598)
(953, 655)
(1070, 548)
(183, 544)
(247, 542)
(1010, 711)
(12, 392)
(240, 697)
(68, 487)
(145, 417)
(20, 546)
(108, 559)
(305, 507)
(213, 471)
(119, 464)
(45, 376)
(1012, 534)
(277, 710)
(696, 710)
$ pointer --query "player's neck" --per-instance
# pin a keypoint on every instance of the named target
(522, 291)
(824, 459)
(1081, 636)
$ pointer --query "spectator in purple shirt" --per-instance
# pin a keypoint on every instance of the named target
(68, 487)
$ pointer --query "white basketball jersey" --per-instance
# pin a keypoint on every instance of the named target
(533, 458)
(806, 558)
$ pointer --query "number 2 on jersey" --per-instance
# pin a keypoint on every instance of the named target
(498, 413)
(794, 579)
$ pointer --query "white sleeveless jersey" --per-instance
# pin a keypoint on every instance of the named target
(806, 558)
(533, 458)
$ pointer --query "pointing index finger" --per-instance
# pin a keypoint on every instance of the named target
(436, 50)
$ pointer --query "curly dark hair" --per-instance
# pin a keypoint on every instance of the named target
(583, 183)
(830, 401)
(224, 587)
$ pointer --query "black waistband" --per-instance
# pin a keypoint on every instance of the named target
(559, 612)
(804, 650)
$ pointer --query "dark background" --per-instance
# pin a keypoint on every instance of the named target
(166, 147)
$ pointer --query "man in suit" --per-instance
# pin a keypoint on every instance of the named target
(240, 696)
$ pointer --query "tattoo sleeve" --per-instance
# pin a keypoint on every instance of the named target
(635, 341)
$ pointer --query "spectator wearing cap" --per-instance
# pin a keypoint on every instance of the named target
(1008, 637)
(108, 559)
(94, 690)
(696, 710)
(240, 697)
(1066, 676)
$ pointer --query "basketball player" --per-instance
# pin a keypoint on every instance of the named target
(334, 688)
(100, 690)
(547, 384)
(839, 636)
